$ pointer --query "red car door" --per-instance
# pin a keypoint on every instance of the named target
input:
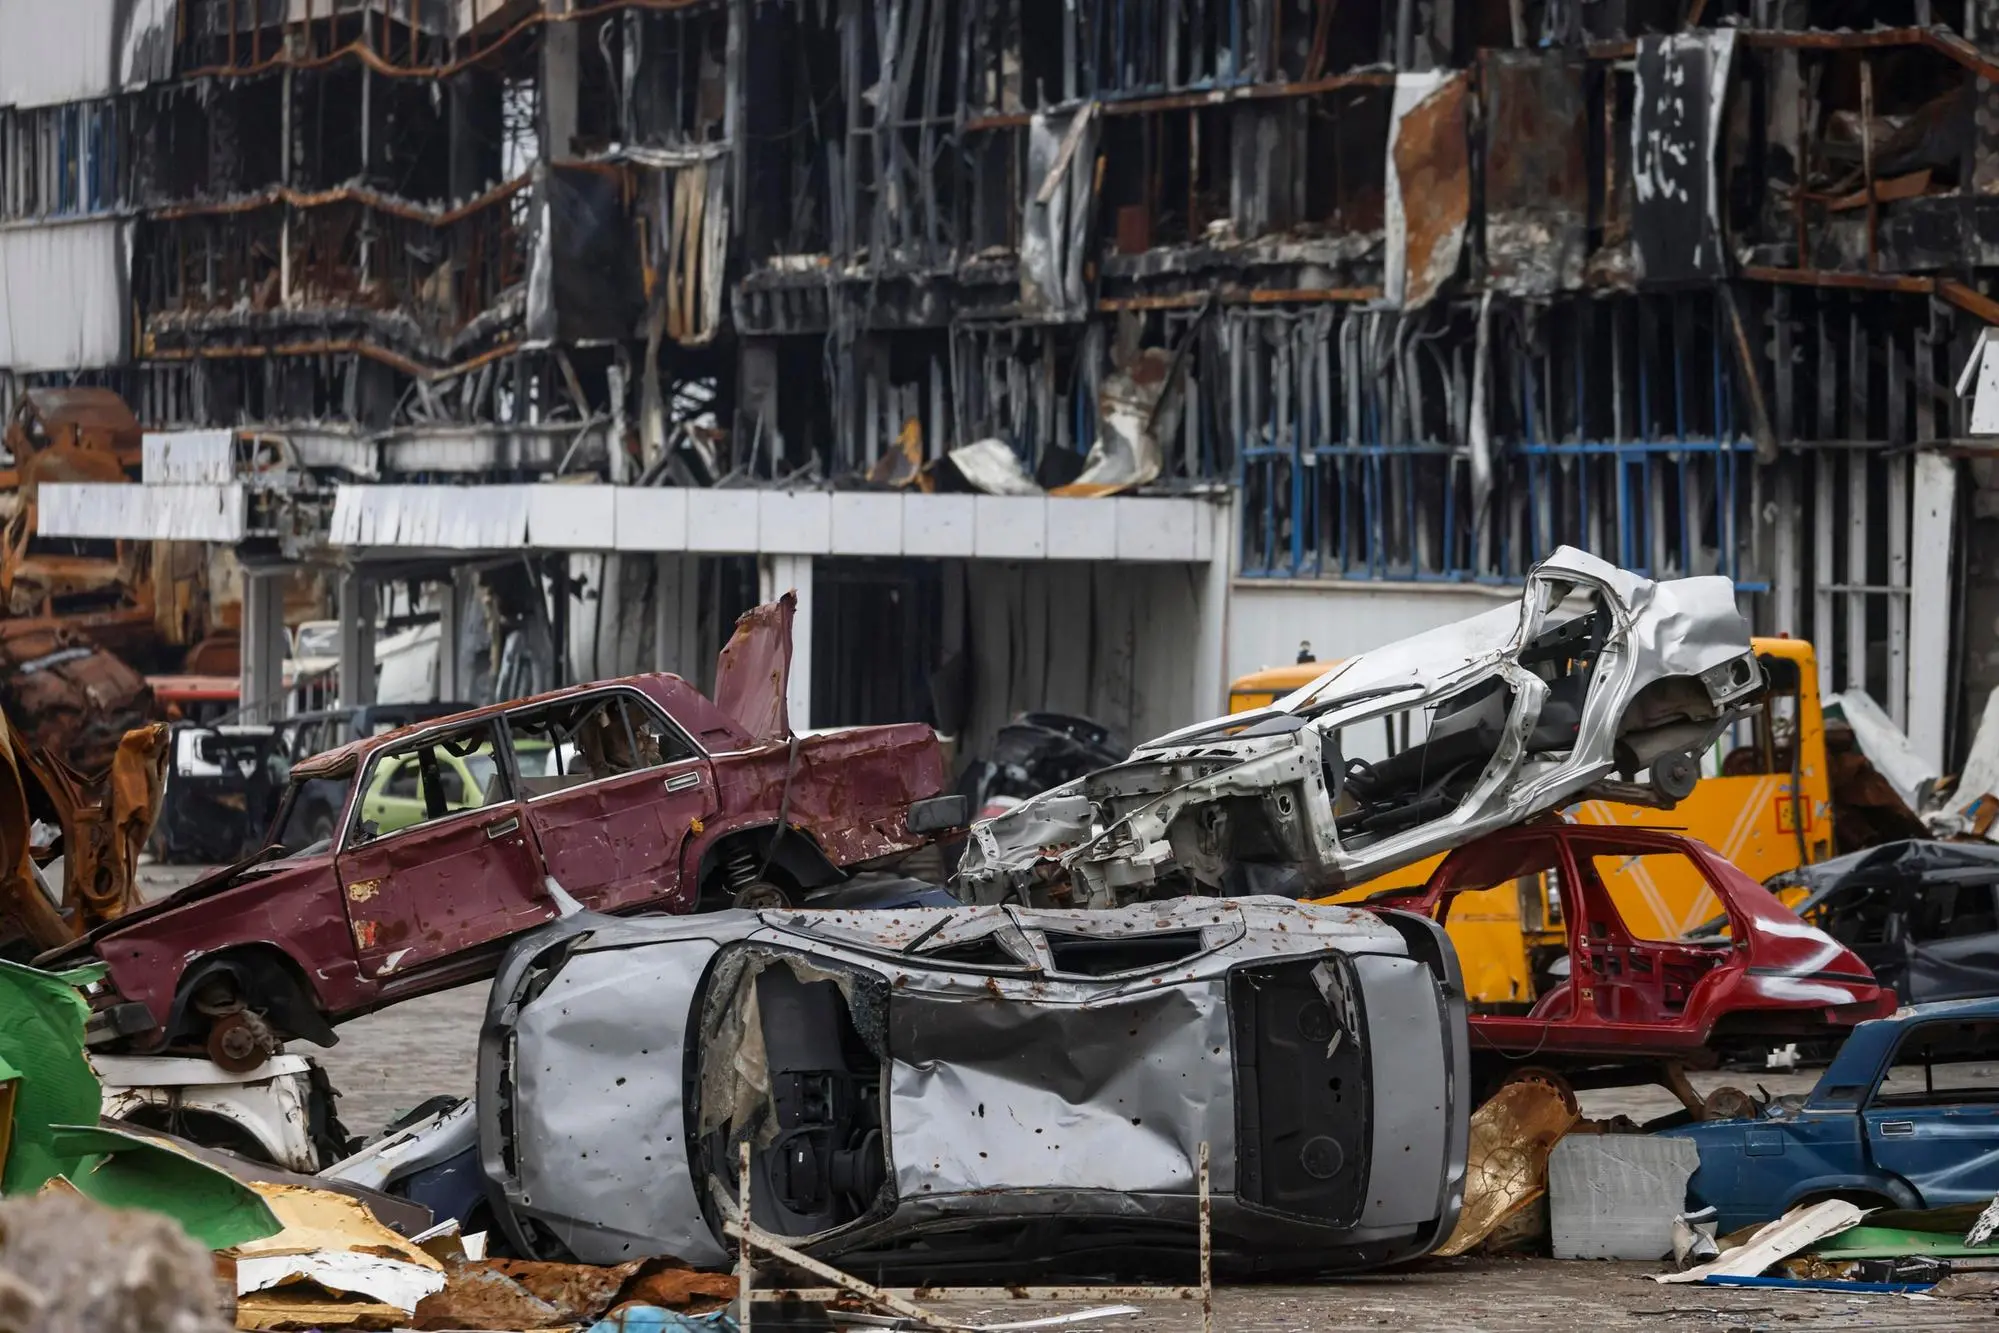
(613, 791)
(465, 874)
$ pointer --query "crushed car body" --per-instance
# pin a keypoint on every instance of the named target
(1923, 915)
(1489, 722)
(936, 1095)
(1628, 1004)
(401, 863)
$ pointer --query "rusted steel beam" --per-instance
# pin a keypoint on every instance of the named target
(345, 194)
(1211, 97)
(365, 52)
(1812, 277)
(1236, 296)
(333, 347)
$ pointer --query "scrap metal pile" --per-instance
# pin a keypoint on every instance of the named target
(732, 1027)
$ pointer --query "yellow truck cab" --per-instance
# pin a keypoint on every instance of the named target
(1764, 802)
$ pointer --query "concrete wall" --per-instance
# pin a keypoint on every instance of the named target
(1267, 620)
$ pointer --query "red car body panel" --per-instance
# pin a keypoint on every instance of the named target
(1629, 999)
(432, 905)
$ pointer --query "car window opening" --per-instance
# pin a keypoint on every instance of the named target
(1099, 956)
(817, 1160)
(441, 777)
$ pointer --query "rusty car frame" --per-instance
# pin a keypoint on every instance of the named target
(451, 836)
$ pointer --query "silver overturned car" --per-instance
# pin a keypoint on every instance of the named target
(1600, 684)
(953, 1094)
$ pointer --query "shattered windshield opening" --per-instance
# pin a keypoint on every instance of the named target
(296, 828)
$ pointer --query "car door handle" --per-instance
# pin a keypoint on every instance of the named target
(1897, 1128)
(500, 828)
(683, 781)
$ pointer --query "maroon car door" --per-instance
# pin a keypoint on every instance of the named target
(448, 871)
(613, 791)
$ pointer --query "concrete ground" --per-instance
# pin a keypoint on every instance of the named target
(1521, 1296)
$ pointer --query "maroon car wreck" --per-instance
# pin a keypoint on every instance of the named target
(454, 835)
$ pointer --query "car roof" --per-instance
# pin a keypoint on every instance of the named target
(1984, 1006)
(343, 758)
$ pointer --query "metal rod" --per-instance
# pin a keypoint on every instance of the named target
(1207, 1250)
(745, 1275)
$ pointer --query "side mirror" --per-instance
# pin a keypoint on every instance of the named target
(939, 814)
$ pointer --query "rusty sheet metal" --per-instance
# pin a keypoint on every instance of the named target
(850, 791)
(754, 668)
(693, 232)
(1429, 197)
(1058, 214)
(25, 911)
(1507, 1164)
(68, 696)
(1536, 178)
(1137, 407)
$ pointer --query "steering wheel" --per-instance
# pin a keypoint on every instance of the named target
(1360, 768)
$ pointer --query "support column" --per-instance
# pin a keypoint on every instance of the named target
(450, 603)
(260, 680)
(357, 640)
(676, 616)
(559, 66)
(778, 575)
(1932, 529)
(1211, 679)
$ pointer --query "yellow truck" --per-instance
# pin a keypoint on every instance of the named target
(1764, 801)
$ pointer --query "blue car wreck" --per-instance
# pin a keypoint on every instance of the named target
(1905, 1116)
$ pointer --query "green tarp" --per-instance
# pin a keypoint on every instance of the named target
(57, 1100)
(122, 1170)
(42, 1039)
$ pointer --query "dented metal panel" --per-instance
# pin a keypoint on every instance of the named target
(1682, 83)
(1429, 185)
(1057, 215)
(1055, 1085)
(1536, 179)
(754, 666)
(1597, 671)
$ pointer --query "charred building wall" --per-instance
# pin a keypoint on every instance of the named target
(1430, 285)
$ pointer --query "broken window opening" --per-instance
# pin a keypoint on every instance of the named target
(1109, 956)
(567, 745)
(436, 779)
(72, 160)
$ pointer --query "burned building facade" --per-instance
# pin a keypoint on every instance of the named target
(1373, 303)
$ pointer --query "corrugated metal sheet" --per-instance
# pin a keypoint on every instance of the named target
(189, 457)
(459, 518)
(548, 517)
(140, 512)
(73, 50)
(62, 293)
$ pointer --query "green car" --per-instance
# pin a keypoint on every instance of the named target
(394, 800)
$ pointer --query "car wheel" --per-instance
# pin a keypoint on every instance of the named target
(760, 894)
(1675, 775)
